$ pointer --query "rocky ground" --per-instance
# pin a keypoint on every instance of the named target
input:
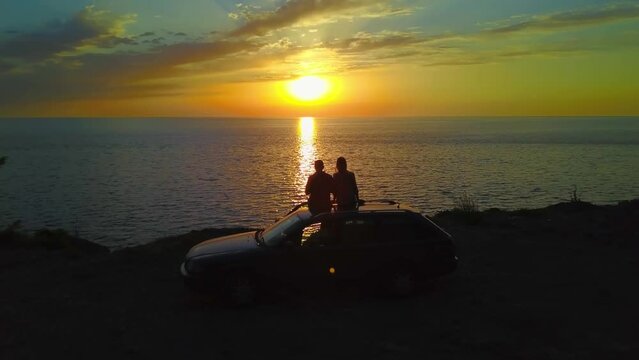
(552, 283)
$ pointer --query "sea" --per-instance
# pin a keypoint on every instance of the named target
(125, 182)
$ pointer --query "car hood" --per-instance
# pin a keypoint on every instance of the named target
(224, 244)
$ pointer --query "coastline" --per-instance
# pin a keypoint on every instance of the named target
(540, 283)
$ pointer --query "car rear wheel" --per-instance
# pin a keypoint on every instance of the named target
(241, 289)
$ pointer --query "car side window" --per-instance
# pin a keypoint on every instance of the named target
(396, 228)
(356, 231)
(320, 233)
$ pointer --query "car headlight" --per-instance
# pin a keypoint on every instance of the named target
(193, 265)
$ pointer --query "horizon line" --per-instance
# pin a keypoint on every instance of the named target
(133, 117)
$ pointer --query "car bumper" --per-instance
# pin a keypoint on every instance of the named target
(190, 281)
(200, 282)
(185, 274)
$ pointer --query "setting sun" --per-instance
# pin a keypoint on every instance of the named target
(308, 88)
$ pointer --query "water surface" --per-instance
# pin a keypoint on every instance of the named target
(122, 182)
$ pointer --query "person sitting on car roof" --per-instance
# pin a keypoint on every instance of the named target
(346, 192)
(320, 186)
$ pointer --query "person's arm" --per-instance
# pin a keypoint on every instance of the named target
(355, 189)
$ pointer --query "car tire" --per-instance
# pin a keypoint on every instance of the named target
(241, 289)
(402, 281)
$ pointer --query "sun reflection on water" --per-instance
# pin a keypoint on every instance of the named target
(306, 154)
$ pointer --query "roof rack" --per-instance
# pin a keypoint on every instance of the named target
(360, 202)
(296, 207)
(378, 201)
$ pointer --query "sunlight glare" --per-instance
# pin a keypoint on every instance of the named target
(307, 128)
(306, 155)
(308, 88)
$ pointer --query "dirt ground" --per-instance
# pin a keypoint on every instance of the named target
(554, 283)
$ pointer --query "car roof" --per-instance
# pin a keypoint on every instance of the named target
(385, 206)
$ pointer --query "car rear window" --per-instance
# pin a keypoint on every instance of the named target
(394, 228)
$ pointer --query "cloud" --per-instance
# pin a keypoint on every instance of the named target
(89, 27)
(155, 41)
(61, 69)
(366, 50)
(115, 75)
(574, 18)
(295, 11)
(365, 42)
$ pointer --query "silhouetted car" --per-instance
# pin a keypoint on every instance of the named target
(380, 241)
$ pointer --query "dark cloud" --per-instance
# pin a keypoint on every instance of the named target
(294, 11)
(156, 41)
(148, 33)
(179, 34)
(574, 18)
(41, 45)
(88, 27)
(115, 75)
(114, 41)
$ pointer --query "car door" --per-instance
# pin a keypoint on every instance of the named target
(354, 253)
(399, 239)
(301, 259)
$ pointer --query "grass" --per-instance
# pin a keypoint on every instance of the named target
(574, 195)
(466, 203)
(466, 209)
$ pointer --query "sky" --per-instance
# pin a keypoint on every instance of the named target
(380, 58)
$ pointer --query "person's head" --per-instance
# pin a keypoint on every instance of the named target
(341, 164)
(319, 165)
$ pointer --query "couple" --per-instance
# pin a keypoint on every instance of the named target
(342, 185)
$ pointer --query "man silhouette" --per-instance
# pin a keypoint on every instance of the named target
(346, 192)
(320, 186)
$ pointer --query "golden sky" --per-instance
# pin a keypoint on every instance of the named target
(380, 58)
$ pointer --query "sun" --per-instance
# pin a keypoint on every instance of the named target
(309, 88)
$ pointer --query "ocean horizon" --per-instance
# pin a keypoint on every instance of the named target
(123, 182)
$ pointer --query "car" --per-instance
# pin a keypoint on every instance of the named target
(379, 241)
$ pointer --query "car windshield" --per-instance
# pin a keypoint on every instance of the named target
(273, 234)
